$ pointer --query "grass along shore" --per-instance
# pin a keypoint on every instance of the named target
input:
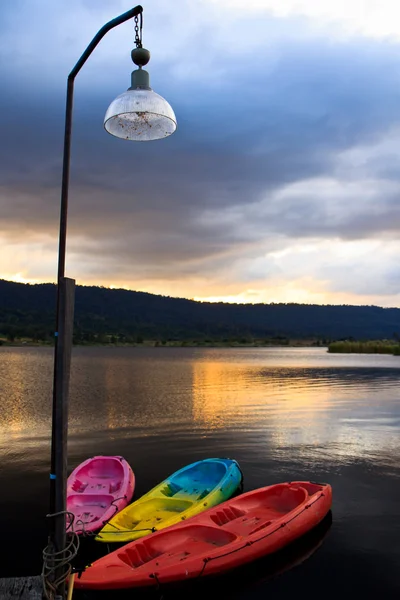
(368, 347)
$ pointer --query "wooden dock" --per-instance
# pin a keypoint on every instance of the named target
(23, 588)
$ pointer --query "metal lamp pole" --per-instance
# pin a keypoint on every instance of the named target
(64, 326)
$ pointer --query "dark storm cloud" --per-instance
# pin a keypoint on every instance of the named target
(252, 124)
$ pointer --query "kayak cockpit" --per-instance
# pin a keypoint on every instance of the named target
(148, 514)
(197, 481)
(190, 540)
(277, 500)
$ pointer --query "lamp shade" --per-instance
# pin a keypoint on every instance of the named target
(139, 114)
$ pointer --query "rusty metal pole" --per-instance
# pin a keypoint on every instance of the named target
(64, 326)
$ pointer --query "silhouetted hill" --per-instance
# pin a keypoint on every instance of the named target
(29, 310)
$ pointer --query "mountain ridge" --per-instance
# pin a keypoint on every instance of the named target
(126, 314)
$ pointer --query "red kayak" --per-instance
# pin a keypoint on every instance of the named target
(231, 534)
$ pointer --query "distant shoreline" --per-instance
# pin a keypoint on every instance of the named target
(336, 347)
(177, 344)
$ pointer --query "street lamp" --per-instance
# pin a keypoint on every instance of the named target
(139, 114)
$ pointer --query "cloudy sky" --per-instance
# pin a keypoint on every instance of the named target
(282, 182)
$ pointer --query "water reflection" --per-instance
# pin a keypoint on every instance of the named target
(303, 402)
(126, 391)
(224, 393)
(25, 376)
(307, 407)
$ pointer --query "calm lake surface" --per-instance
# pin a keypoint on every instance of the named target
(284, 414)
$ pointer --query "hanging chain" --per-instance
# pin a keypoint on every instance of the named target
(138, 31)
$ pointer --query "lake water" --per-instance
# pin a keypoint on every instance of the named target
(284, 414)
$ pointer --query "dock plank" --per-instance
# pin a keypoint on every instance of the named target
(23, 588)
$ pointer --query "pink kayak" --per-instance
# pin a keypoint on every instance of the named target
(97, 489)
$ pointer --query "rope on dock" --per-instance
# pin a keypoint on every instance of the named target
(60, 560)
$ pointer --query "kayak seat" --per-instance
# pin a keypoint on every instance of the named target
(101, 468)
(243, 523)
(150, 513)
(277, 501)
(204, 474)
(170, 505)
(83, 501)
(180, 543)
(87, 508)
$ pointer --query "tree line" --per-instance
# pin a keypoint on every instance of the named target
(121, 316)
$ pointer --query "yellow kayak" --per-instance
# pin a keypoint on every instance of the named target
(186, 493)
